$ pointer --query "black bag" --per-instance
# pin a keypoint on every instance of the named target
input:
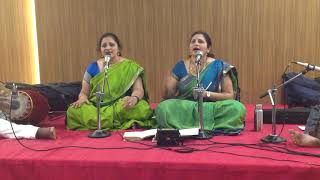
(302, 91)
(60, 95)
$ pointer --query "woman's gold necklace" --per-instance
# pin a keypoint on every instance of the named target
(192, 67)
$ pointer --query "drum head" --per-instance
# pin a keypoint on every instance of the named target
(21, 107)
(30, 107)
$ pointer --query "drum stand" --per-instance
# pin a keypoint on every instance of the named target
(274, 138)
(199, 95)
(100, 94)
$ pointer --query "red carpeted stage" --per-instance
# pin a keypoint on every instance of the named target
(223, 157)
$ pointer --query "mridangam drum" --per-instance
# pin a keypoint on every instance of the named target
(29, 107)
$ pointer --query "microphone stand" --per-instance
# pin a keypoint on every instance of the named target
(274, 138)
(199, 93)
(100, 94)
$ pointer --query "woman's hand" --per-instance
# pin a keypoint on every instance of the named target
(227, 92)
(205, 94)
(129, 101)
(83, 95)
(137, 93)
(80, 101)
(170, 90)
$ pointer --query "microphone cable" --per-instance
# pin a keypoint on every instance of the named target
(259, 146)
(65, 147)
(9, 118)
(187, 149)
(285, 97)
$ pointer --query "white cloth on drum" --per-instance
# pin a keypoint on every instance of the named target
(21, 131)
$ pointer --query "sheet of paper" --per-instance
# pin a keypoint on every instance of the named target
(302, 127)
(189, 132)
(140, 134)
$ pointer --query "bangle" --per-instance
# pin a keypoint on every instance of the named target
(138, 99)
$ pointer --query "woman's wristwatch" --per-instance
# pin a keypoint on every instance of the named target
(208, 94)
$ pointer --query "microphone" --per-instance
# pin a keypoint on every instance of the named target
(308, 66)
(198, 56)
(107, 58)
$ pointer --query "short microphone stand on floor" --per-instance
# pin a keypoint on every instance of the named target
(100, 94)
(199, 95)
(274, 138)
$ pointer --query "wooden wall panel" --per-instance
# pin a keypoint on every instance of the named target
(16, 47)
(259, 37)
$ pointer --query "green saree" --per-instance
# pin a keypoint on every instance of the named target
(114, 116)
(219, 117)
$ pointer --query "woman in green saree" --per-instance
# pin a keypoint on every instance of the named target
(125, 100)
(222, 113)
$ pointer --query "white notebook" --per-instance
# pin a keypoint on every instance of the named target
(302, 128)
(139, 135)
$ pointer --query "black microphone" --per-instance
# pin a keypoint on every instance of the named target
(198, 56)
(107, 58)
(308, 66)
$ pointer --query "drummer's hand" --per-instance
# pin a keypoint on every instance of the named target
(129, 101)
(80, 101)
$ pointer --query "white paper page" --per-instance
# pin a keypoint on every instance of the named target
(302, 128)
(141, 134)
(189, 132)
